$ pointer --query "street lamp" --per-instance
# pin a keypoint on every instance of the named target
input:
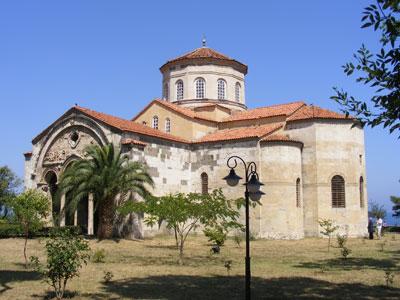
(253, 193)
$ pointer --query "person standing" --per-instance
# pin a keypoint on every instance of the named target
(371, 229)
(379, 224)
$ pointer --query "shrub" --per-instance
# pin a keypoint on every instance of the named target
(10, 231)
(238, 238)
(215, 235)
(108, 276)
(66, 253)
(228, 266)
(389, 278)
(341, 240)
(345, 252)
(99, 256)
(328, 229)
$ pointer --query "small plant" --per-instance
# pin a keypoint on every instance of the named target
(66, 253)
(328, 229)
(108, 276)
(99, 256)
(228, 266)
(389, 278)
(238, 238)
(345, 252)
(341, 240)
(216, 235)
(381, 246)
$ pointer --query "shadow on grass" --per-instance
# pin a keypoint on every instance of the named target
(350, 264)
(172, 260)
(232, 287)
(9, 276)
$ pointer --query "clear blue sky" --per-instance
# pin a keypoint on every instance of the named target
(105, 55)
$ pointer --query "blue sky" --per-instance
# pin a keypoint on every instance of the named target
(105, 55)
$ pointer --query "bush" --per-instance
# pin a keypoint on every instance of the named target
(9, 230)
(108, 276)
(66, 253)
(99, 256)
(238, 238)
(215, 235)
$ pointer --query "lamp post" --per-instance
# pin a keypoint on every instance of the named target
(252, 191)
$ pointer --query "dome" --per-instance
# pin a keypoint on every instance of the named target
(204, 76)
(205, 55)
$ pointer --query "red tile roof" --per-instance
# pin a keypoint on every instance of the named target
(203, 52)
(240, 133)
(279, 138)
(315, 112)
(206, 53)
(128, 141)
(177, 108)
(126, 125)
(265, 112)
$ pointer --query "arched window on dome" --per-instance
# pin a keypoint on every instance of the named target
(361, 191)
(204, 183)
(155, 122)
(179, 90)
(221, 87)
(338, 192)
(165, 91)
(167, 125)
(298, 201)
(200, 88)
(237, 91)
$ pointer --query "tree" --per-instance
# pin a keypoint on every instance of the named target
(185, 212)
(9, 184)
(396, 205)
(328, 229)
(381, 70)
(29, 210)
(377, 211)
(66, 252)
(105, 173)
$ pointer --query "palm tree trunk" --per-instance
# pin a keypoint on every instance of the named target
(106, 220)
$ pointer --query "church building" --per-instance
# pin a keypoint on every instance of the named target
(311, 160)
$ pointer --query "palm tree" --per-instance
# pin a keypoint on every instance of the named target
(106, 174)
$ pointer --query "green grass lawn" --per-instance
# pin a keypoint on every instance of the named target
(281, 269)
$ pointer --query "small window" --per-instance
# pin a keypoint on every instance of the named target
(221, 89)
(155, 122)
(200, 88)
(165, 91)
(204, 183)
(338, 192)
(167, 125)
(361, 191)
(237, 91)
(298, 203)
(179, 90)
(144, 123)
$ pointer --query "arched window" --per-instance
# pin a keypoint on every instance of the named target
(361, 191)
(338, 191)
(221, 89)
(165, 91)
(179, 90)
(167, 125)
(237, 91)
(298, 203)
(204, 183)
(155, 122)
(200, 88)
